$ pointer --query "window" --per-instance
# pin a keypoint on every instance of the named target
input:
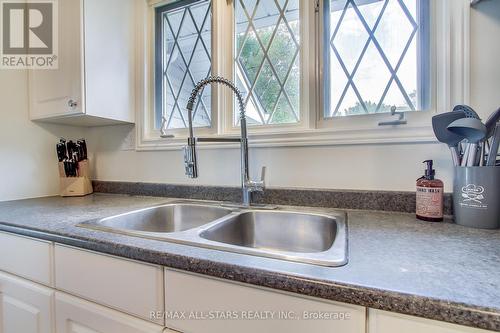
(267, 64)
(311, 71)
(377, 56)
(183, 57)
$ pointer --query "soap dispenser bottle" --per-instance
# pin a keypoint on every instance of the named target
(429, 196)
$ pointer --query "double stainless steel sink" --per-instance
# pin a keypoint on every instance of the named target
(312, 238)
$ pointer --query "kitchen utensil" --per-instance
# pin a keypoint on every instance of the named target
(61, 151)
(483, 154)
(469, 113)
(465, 155)
(77, 155)
(83, 146)
(67, 168)
(491, 123)
(474, 131)
(440, 124)
(74, 171)
(71, 148)
(467, 110)
(492, 157)
(71, 167)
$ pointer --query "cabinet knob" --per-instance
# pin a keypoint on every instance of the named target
(72, 104)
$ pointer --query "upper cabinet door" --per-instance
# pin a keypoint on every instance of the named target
(110, 58)
(58, 92)
(25, 306)
(95, 83)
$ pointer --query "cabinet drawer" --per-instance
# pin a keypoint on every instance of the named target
(389, 322)
(76, 315)
(199, 304)
(26, 257)
(129, 286)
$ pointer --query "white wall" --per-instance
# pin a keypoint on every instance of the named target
(387, 167)
(367, 167)
(28, 164)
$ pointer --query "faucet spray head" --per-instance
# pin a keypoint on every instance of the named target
(190, 159)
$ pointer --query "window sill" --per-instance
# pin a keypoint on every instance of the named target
(317, 137)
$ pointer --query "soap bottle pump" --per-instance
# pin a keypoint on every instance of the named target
(429, 196)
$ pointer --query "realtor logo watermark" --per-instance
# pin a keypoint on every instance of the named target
(29, 34)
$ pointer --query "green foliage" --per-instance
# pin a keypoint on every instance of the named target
(267, 88)
(371, 107)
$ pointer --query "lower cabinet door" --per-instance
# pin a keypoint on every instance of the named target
(198, 304)
(74, 315)
(25, 307)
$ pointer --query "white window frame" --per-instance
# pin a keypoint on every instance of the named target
(450, 72)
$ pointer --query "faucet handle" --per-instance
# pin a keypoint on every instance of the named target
(259, 186)
(263, 175)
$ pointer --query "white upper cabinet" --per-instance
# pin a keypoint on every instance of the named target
(52, 91)
(95, 81)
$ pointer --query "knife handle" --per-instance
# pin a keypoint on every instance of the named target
(67, 170)
(61, 151)
(83, 146)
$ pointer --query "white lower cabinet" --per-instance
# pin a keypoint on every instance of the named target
(25, 307)
(124, 296)
(198, 304)
(74, 315)
(390, 322)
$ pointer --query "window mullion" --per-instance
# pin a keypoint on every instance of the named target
(424, 59)
(310, 63)
(323, 31)
(222, 60)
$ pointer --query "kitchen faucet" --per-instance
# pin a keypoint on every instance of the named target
(190, 155)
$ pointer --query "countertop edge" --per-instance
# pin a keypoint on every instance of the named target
(403, 303)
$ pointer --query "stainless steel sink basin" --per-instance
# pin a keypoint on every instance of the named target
(276, 231)
(168, 218)
(312, 238)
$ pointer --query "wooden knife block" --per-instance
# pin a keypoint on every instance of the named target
(75, 186)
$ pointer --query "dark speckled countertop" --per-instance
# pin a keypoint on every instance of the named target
(438, 271)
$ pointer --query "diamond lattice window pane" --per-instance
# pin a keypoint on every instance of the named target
(267, 63)
(185, 59)
(378, 56)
